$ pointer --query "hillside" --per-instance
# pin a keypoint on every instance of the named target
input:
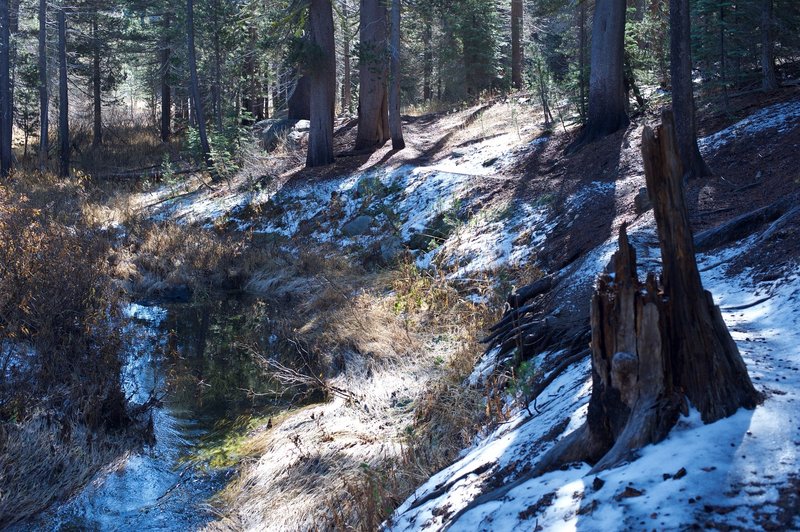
(483, 198)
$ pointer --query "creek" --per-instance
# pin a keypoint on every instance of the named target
(193, 356)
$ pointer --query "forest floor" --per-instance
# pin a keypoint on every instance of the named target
(387, 269)
(418, 249)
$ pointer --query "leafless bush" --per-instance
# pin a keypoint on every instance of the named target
(61, 394)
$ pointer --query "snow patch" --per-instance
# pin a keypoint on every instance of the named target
(782, 116)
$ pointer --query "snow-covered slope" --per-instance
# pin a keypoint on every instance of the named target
(738, 473)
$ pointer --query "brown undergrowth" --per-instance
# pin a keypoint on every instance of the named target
(63, 414)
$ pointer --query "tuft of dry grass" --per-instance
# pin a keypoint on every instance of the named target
(46, 458)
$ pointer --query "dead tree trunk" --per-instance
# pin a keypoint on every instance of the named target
(655, 345)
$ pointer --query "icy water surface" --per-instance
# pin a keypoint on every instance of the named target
(192, 355)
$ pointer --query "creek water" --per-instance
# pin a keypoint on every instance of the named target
(192, 355)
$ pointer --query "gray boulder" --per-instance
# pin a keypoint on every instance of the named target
(357, 226)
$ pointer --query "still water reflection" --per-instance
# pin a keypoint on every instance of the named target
(193, 356)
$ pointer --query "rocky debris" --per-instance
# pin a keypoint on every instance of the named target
(270, 131)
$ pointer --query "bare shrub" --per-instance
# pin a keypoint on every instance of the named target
(60, 353)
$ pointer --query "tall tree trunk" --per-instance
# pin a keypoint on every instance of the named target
(683, 91)
(216, 88)
(63, 96)
(516, 43)
(44, 98)
(769, 82)
(607, 96)
(723, 68)
(194, 86)
(427, 58)
(347, 81)
(299, 103)
(582, 45)
(252, 101)
(97, 137)
(395, 120)
(322, 81)
(166, 89)
(373, 104)
(6, 104)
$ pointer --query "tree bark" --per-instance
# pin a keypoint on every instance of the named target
(347, 82)
(299, 102)
(516, 43)
(63, 96)
(373, 104)
(166, 89)
(216, 88)
(607, 96)
(6, 103)
(194, 86)
(769, 82)
(655, 345)
(322, 78)
(97, 130)
(582, 42)
(44, 98)
(253, 100)
(683, 91)
(395, 120)
(706, 363)
(427, 58)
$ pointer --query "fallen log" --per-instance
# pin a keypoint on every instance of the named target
(744, 225)
(153, 173)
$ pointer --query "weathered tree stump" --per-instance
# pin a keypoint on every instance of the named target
(655, 344)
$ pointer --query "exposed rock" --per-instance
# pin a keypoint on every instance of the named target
(438, 230)
(391, 249)
(358, 226)
(273, 130)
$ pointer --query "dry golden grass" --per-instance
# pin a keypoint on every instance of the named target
(400, 343)
(46, 458)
